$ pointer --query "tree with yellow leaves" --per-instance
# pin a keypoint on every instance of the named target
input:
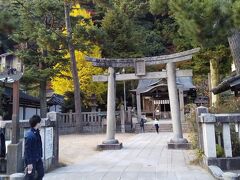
(64, 83)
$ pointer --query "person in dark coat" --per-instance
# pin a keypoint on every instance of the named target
(156, 124)
(2, 144)
(2, 141)
(142, 125)
(33, 150)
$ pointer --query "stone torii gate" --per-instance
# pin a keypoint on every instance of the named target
(140, 73)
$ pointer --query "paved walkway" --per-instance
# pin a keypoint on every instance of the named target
(144, 157)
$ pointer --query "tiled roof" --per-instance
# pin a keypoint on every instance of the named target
(227, 84)
(147, 85)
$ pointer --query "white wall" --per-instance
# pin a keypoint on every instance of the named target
(52, 108)
(30, 112)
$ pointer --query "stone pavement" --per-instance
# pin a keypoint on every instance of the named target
(144, 157)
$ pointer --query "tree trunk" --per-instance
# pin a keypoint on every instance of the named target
(234, 43)
(42, 89)
(214, 71)
(43, 99)
(77, 97)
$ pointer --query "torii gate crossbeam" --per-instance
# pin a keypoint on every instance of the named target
(130, 62)
(150, 75)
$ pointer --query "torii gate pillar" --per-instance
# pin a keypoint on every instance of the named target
(177, 141)
(111, 142)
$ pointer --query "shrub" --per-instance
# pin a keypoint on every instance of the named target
(220, 151)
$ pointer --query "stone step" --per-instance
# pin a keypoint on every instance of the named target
(162, 128)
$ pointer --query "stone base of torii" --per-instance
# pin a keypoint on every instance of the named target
(177, 141)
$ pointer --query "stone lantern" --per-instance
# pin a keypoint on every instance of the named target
(93, 104)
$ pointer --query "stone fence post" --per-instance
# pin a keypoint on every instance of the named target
(99, 116)
(227, 140)
(54, 116)
(71, 117)
(199, 111)
(129, 112)
(122, 115)
(208, 129)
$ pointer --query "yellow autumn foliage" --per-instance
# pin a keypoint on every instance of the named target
(62, 84)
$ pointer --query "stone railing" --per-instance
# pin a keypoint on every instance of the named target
(67, 123)
(210, 137)
(93, 117)
(92, 122)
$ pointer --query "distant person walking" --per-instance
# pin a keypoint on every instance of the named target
(156, 124)
(142, 125)
(33, 151)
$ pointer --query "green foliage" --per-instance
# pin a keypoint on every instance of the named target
(199, 157)
(236, 14)
(120, 39)
(192, 125)
(68, 102)
(193, 133)
(205, 23)
(235, 142)
(130, 30)
(158, 7)
(39, 29)
(219, 150)
(228, 105)
(134, 9)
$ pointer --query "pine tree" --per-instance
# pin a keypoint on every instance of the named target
(40, 25)
(206, 24)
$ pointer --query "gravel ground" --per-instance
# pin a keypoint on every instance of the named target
(75, 148)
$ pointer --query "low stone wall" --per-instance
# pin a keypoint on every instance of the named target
(68, 130)
(92, 122)
(93, 129)
(224, 163)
